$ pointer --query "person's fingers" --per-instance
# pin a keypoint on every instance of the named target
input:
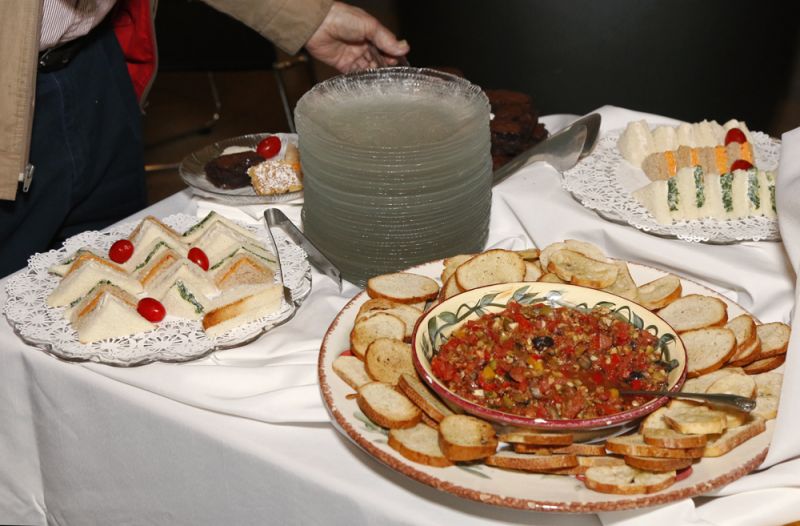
(388, 43)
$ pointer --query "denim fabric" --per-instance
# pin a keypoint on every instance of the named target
(87, 152)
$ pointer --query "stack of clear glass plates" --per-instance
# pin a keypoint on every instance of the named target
(397, 168)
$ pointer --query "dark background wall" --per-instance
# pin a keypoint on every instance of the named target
(687, 59)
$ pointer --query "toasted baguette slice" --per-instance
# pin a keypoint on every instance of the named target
(695, 311)
(696, 420)
(419, 444)
(634, 445)
(744, 328)
(746, 355)
(658, 465)
(403, 287)
(654, 420)
(671, 439)
(536, 463)
(774, 339)
(625, 480)
(386, 359)
(351, 370)
(581, 247)
(387, 407)
(379, 325)
(659, 293)
(735, 384)
(768, 386)
(464, 438)
(578, 269)
(537, 438)
(408, 313)
(415, 390)
(533, 271)
(624, 285)
(707, 349)
(549, 277)
(452, 263)
(546, 252)
(700, 384)
(586, 462)
(718, 446)
(765, 364)
(582, 450)
(450, 288)
(264, 300)
(490, 267)
(529, 254)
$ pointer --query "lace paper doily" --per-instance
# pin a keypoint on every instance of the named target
(174, 340)
(604, 181)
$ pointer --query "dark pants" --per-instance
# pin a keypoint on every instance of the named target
(87, 152)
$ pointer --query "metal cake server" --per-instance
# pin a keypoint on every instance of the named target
(276, 217)
(562, 150)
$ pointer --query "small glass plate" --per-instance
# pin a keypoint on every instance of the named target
(193, 173)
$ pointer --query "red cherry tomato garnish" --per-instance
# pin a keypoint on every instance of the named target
(121, 251)
(198, 257)
(151, 309)
(735, 135)
(269, 147)
(740, 164)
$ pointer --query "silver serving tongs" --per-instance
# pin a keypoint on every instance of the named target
(276, 217)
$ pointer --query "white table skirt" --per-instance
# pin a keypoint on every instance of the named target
(80, 446)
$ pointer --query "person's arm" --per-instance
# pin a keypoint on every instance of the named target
(286, 23)
(338, 34)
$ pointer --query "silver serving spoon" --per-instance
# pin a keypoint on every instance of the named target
(561, 150)
(741, 403)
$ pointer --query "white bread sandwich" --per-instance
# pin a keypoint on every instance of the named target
(181, 270)
(150, 229)
(692, 194)
(107, 312)
(159, 261)
(213, 218)
(242, 269)
(219, 242)
(86, 271)
(257, 302)
(142, 255)
(184, 301)
(638, 141)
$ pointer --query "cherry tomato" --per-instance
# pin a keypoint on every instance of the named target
(198, 257)
(151, 309)
(269, 147)
(740, 164)
(121, 251)
(735, 135)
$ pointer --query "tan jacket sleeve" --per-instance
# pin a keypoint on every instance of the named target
(287, 23)
(18, 58)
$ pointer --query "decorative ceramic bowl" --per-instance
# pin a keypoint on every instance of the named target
(439, 323)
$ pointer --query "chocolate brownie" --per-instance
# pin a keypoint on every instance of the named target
(230, 171)
(515, 126)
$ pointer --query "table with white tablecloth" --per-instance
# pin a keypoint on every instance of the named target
(242, 437)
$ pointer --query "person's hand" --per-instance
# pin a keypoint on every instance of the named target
(350, 39)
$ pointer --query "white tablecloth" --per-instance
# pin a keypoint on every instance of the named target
(237, 440)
